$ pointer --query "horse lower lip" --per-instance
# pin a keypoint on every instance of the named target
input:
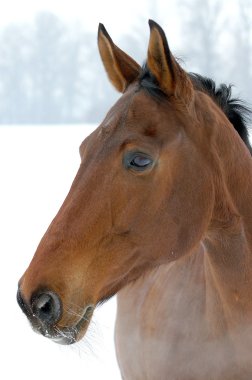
(86, 316)
(68, 335)
(63, 340)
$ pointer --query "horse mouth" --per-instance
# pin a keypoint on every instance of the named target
(56, 331)
(69, 334)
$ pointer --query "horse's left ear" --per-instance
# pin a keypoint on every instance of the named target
(120, 67)
(170, 76)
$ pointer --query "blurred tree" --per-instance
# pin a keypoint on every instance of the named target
(242, 63)
(50, 72)
(14, 55)
(217, 43)
(45, 68)
(44, 72)
(202, 25)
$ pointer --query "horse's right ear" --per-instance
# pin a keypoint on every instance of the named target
(171, 78)
(121, 68)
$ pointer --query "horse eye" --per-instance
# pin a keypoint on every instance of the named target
(138, 161)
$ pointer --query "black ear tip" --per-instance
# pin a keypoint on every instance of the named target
(150, 21)
(153, 24)
(157, 27)
(103, 30)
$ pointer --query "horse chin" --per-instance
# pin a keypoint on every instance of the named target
(72, 334)
(69, 334)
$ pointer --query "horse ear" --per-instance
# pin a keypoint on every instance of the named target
(121, 68)
(171, 78)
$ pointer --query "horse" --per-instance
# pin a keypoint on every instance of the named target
(159, 213)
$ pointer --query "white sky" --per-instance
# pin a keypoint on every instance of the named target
(118, 13)
(118, 16)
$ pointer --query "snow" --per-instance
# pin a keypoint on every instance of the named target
(38, 165)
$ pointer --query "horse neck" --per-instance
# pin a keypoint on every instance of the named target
(232, 182)
(229, 238)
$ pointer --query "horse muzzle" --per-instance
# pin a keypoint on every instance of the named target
(45, 311)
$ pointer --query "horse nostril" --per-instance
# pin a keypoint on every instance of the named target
(46, 307)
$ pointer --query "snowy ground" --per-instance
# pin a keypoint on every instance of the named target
(37, 167)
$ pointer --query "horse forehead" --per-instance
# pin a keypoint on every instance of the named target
(142, 106)
(133, 107)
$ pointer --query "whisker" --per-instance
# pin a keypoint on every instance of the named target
(93, 341)
(61, 333)
(77, 311)
(73, 312)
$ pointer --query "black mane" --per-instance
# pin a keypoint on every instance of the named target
(238, 113)
(148, 82)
